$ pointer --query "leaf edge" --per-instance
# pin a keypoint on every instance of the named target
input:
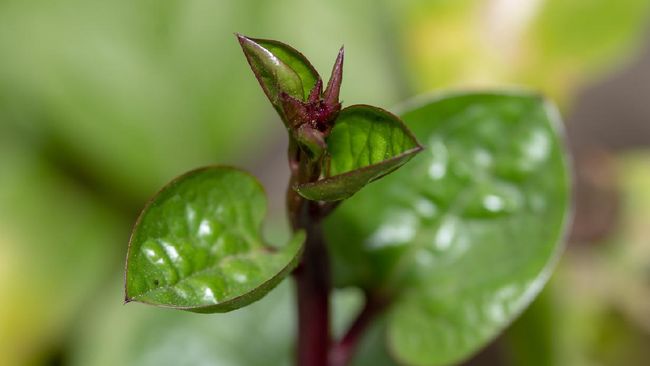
(408, 154)
(241, 38)
(236, 302)
(555, 122)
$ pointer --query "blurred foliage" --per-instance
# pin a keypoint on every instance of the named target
(551, 45)
(103, 102)
(135, 92)
(58, 245)
(151, 336)
(596, 310)
(630, 263)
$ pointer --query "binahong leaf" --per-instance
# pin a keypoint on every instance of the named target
(463, 237)
(365, 144)
(197, 245)
(279, 68)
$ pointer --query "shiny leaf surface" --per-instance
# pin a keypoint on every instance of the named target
(365, 144)
(197, 245)
(464, 236)
(279, 68)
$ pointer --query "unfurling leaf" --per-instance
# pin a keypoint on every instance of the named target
(197, 245)
(296, 90)
(365, 144)
(280, 69)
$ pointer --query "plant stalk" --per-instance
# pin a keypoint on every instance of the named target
(342, 352)
(313, 284)
(313, 274)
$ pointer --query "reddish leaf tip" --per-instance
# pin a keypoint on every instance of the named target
(247, 42)
(241, 37)
(333, 89)
(316, 91)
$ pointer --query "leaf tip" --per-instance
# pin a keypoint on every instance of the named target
(418, 147)
(316, 91)
(241, 38)
(333, 89)
(248, 45)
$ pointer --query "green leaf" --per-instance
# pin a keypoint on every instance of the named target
(365, 144)
(279, 68)
(464, 236)
(197, 245)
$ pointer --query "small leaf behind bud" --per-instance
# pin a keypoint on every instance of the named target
(312, 139)
(365, 144)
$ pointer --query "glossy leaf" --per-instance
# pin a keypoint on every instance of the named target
(197, 245)
(365, 144)
(279, 68)
(464, 236)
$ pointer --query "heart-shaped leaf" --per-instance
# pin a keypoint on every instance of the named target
(365, 144)
(197, 245)
(279, 68)
(464, 236)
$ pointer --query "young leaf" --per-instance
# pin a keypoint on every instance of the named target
(463, 237)
(197, 245)
(279, 68)
(365, 144)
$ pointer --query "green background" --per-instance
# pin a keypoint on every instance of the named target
(101, 103)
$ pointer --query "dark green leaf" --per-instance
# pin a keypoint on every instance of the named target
(197, 245)
(464, 236)
(365, 144)
(279, 68)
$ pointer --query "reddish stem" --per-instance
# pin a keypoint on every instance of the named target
(313, 285)
(313, 281)
(342, 352)
(313, 274)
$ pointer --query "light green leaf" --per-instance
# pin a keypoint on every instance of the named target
(279, 68)
(197, 245)
(365, 144)
(464, 236)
